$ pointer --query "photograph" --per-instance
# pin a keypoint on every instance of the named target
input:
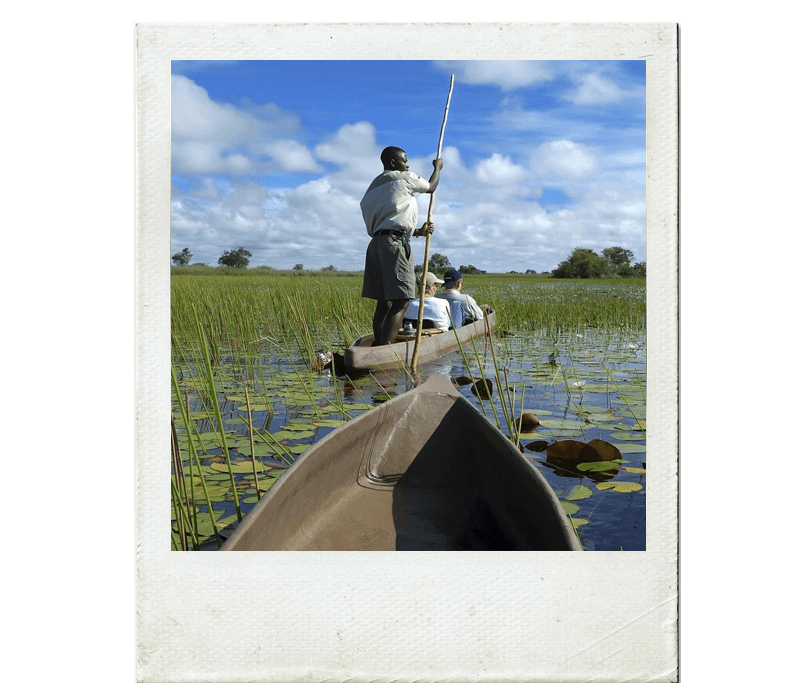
(278, 175)
(407, 303)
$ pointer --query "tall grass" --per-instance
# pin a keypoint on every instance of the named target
(254, 304)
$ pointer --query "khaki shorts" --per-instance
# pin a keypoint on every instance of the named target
(388, 270)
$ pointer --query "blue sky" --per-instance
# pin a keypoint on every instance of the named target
(540, 157)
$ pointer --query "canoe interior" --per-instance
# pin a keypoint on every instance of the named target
(423, 472)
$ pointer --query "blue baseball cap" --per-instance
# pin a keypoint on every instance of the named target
(451, 276)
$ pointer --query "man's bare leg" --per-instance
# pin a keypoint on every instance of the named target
(387, 320)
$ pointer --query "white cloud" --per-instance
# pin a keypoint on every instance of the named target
(194, 116)
(207, 189)
(291, 156)
(507, 75)
(211, 137)
(564, 159)
(499, 170)
(352, 145)
(594, 89)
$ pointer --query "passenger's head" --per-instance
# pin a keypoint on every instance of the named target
(432, 283)
(452, 279)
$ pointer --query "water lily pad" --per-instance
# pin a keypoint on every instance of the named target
(628, 436)
(635, 470)
(579, 492)
(597, 449)
(564, 425)
(578, 522)
(299, 426)
(335, 422)
(601, 466)
(595, 409)
(569, 507)
(226, 521)
(619, 486)
(567, 449)
(239, 467)
(631, 447)
(262, 449)
(593, 451)
(285, 434)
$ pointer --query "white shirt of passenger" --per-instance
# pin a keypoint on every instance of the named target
(434, 309)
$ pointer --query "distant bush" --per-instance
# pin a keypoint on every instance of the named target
(586, 263)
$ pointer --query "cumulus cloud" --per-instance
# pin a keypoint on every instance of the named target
(212, 137)
(194, 116)
(499, 170)
(206, 189)
(507, 75)
(351, 140)
(291, 156)
(564, 159)
(594, 89)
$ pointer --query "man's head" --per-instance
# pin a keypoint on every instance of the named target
(452, 279)
(394, 159)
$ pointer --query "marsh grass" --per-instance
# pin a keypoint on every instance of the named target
(247, 400)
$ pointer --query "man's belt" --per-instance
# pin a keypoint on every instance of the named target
(396, 233)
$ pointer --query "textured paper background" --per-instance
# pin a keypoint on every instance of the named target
(412, 616)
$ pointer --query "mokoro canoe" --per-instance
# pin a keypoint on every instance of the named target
(423, 471)
(362, 356)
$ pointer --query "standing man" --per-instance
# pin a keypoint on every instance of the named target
(390, 214)
(464, 308)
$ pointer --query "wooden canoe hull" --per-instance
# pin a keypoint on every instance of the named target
(361, 356)
(424, 471)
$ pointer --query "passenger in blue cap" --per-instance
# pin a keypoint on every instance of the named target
(464, 308)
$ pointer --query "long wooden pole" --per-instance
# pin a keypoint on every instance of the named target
(416, 351)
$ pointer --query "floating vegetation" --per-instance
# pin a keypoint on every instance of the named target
(255, 383)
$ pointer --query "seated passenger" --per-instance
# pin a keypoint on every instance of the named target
(464, 308)
(436, 312)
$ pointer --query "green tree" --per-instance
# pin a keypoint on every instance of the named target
(438, 262)
(639, 269)
(582, 263)
(237, 258)
(182, 258)
(470, 270)
(618, 256)
(299, 268)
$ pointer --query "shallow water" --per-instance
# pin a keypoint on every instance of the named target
(582, 385)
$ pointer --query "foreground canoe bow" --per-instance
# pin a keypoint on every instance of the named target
(424, 471)
(361, 356)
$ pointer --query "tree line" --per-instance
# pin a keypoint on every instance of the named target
(581, 263)
(234, 258)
